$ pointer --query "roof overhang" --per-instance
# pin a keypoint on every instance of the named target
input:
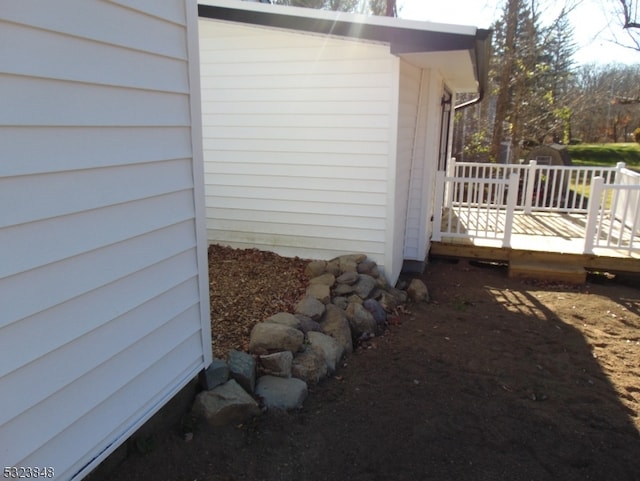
(460, 52)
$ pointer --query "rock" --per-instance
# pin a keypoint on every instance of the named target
(327, 279)
(310, 307)
(417, 291)
(320, 292)
(382, 283)
(226, 404)
(332, 349)
(268, 336)
(333, 267)
(360, 320)
(377, 311)
(242, 368)
(310, 365)
(285, 319)
(315, 268)
(368, 267)
(340, 301)
(216, 374)
(350, 278)
(342, 290)
(307, 324)
(354, 298)
(276, 364)
(281, 393)
(364, 286)
(336, 324)
(400, 295)
(387, 301)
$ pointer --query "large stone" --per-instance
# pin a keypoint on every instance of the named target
(310, 307)
(320, 292)
(350, 277)
(310, 365)
(281, 393)
(276, 364)
(340, 301)
(315, 268)
(387, 301)
(364, 286)
(368, 267)
(332, 349)
(327, 279)
(418, 291)
(242, 368)
(360, 320)
(307, 324)
(377, 311)
(400, 295)
(226, 404)
(336, 324)
(216, 374)
(267, 336)
(285, 319)
(343, 290)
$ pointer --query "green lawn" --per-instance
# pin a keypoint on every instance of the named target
(606, 154)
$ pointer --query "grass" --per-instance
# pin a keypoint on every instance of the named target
(606, 154)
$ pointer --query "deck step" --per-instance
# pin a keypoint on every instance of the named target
(547, 271)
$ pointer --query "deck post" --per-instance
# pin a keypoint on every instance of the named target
(436, 234)
(619, 167)
(512, 198)
(593, 213)
(530, 185)
(447, 189)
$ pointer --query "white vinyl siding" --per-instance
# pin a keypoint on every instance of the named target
(298, 133)
(411, 153)
(103, 276)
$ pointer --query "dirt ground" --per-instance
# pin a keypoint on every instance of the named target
(494, 379)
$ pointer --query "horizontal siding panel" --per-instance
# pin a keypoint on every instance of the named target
(301, 146)
(169, 11)
(22, 292)
(296, 108)
(29, 101)
(297, 219)
(76, 317)
(88, 147)
(70, 235)
(345, 134)
(89, 189)
(266, 80)
(214, 121)
(238, 53)
(143, 32)
(314, 171)
(211, 68)
(54, 370)
(272, 205)
(336, 159)
(298, 246)
(156, 386)
(327, 185)
(261, 193)
(328, 232)
(63, 57)
(336, 94)
(115, 374)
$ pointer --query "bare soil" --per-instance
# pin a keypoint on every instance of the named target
(494, 379)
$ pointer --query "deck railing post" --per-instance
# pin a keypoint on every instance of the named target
(448, 189)
(530, 186)
(619, 168)
(436, 235)
(593, 213)
(512, 198)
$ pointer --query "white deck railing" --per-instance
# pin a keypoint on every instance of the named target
(487, 195)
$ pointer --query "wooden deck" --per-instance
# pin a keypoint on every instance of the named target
(542, 238)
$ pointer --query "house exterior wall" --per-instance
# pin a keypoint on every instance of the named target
(299, 142)
(424, 162)
(103, 275)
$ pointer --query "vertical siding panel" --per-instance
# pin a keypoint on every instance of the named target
(105, 164)
(303, 120)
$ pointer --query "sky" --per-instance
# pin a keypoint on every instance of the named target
(590, 20)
